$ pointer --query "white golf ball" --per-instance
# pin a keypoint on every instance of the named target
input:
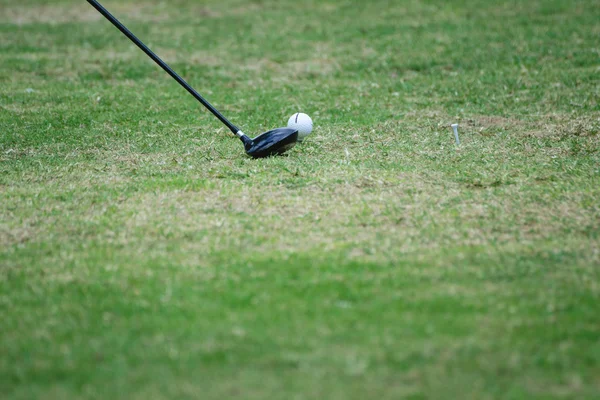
(302, 123)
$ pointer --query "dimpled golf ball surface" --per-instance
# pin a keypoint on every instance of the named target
(302, 123)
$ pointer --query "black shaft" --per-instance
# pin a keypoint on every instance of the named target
(162, 64)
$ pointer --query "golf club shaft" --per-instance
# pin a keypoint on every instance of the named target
(162, 64)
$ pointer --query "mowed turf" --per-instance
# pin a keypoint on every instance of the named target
(144, 256)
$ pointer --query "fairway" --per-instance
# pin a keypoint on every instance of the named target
(144, 255)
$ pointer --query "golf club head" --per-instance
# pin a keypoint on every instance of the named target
(273, 142)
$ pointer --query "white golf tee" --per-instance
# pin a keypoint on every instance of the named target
(455, 129)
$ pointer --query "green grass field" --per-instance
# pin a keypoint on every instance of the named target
(144, 256)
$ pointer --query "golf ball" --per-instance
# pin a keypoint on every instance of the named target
(302, 123)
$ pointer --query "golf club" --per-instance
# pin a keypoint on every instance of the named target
(273, 142)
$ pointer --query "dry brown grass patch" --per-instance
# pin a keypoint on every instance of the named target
(83, 12)
(559, 126)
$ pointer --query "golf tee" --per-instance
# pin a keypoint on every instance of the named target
(455, 129)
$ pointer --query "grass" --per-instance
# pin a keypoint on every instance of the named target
(144, 256)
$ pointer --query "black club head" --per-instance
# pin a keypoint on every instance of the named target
(270, 143)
